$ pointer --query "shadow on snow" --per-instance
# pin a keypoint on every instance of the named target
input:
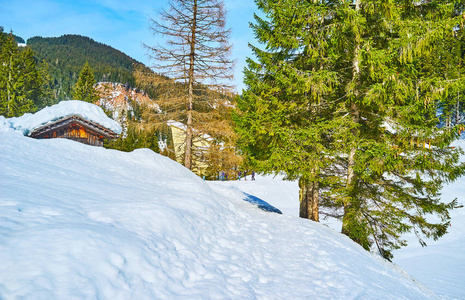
(263, 205)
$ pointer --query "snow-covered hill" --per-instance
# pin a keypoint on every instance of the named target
(440, 266)
(81, 222)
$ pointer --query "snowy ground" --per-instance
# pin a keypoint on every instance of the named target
(82, 222)
(440, 266)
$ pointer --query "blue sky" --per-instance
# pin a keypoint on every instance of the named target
(118, 23)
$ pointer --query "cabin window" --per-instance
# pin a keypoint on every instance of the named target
(82, 133)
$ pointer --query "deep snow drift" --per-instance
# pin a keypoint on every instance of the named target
(82, 222)
(440, 266)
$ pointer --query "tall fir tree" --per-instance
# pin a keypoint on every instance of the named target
(84, 88)
(345, 97)
(23, 83)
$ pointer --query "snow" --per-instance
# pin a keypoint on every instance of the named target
(83, 222)
(281, 194)
(441, 265)
(177, 124)
(184, 127)
(91, 112)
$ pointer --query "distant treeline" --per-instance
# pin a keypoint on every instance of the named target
(66, 55)
(18, 39)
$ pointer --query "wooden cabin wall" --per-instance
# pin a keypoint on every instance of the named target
(76, 133)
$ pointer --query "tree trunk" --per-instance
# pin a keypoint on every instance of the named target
(352, 222)
(9, 84)
(457, 110)
(189, 135)
(355, 114)
(309, 193)
(346, 220)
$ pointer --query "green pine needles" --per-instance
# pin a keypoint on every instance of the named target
(24, 85)
(344, 96)
(84, 88)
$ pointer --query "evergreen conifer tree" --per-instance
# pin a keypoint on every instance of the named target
(22, 82)
(344, 96)
(84, 88)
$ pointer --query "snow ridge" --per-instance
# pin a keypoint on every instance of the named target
(28, 122)
(83, 222)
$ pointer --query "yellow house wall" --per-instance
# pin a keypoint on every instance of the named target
(179, 143)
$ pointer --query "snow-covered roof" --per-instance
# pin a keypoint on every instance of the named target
(177, 124)
(182, 126)
(389, 126)
(91, 112)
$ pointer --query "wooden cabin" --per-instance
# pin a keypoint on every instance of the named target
(74, 128)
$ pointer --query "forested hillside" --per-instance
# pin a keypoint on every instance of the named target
(64, 60)
(18, 39)
(67, 54)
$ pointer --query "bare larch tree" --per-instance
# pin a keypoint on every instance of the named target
(195, 54)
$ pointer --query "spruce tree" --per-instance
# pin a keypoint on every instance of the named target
(84, 88)
(345, 97)
(22, 82)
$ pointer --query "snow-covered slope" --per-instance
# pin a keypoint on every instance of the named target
(283, 195)
(119, 99)
(440, 266)
(82, 222)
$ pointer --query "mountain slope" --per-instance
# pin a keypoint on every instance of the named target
(67, 54)
(84, 222)
(121, 99)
